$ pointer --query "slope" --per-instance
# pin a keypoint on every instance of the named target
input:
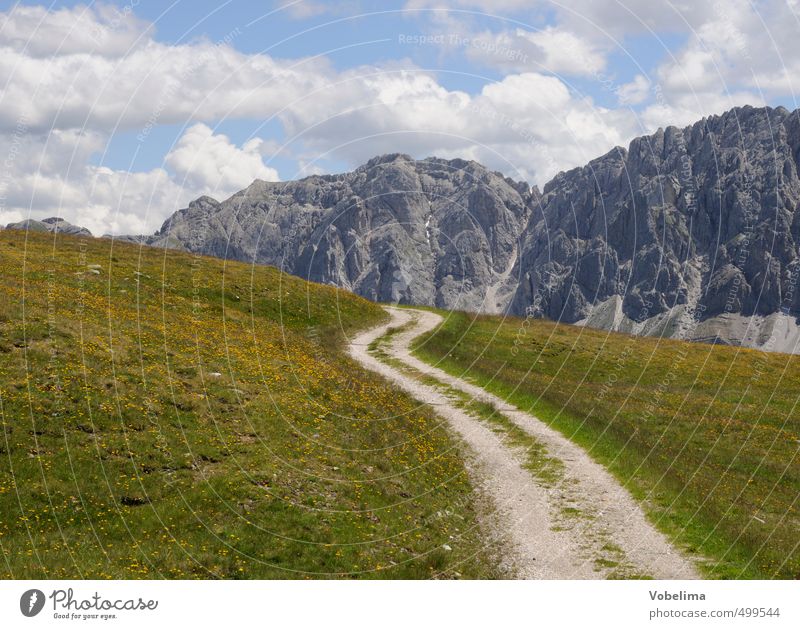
(174, 416)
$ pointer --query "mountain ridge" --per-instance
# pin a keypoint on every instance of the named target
(679, 231)
(688, 233)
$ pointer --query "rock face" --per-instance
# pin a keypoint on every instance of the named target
(432, 232)
(53, 224)
(689, 233)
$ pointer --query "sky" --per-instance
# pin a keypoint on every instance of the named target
(115, 114)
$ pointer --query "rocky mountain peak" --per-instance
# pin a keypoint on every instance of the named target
(430, 231)
(688, 225)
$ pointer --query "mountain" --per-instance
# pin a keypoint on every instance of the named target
(52, 224)
(687, 233)
(432, 232)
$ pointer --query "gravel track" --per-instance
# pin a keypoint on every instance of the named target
(584, 526)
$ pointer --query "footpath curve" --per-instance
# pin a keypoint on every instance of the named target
(542, 537)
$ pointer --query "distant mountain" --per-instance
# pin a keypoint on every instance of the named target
(689, 233)
(52, 224)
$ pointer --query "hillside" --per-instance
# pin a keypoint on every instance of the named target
(705, 436)
(174, 416)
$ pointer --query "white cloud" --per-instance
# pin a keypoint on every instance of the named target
(370, 111)
(159, 84)
(743, 46)
(304, 9)
(119, 202)
(50, 175)
(494, 6)
(525, 95)
(69, 98)
(635, 92)
(101, 199)
(744, 53)
(590, 17)
(551, 49)
(10, 216)
(155, 83)
(527, 125)
(71, 101)
(202, 160)
(549, 130)
(737, 52)
(686, 109)
(97, 29)
(566, 52)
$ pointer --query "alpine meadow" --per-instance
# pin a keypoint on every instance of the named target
(174, 416)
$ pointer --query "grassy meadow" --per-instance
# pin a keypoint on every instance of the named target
(173, 416)
(707, 437)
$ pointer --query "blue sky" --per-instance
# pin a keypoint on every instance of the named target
(118, 113)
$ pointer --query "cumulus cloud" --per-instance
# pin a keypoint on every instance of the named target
(744, 53)
(205, 161)
(742, 46)
(153, 84)
(51, 175)
(69, 102)
(99, 29)
(528, 125)
(99, 198)
(599, 19)
(545, 128)
(736, 51)
(635, 92)
(551, 49)
(496, 6)
(304, 9)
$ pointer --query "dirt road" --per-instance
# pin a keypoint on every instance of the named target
(581, 525)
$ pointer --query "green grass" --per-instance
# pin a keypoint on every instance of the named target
(123, 455)
(706, 437)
